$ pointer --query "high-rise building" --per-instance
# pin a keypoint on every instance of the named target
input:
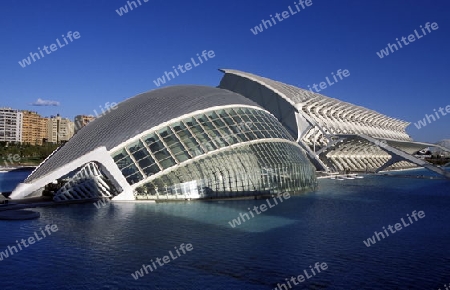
(66, 130)
(52, 130)
(10, 125)
(43, 129)
(81, 121)
(59, 129)
(34, 128)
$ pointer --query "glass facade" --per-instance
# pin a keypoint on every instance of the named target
(262, 165)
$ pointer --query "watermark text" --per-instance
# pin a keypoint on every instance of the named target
(165, 260)
(266, 24)
(167, 76)
(411, 38)
(323, 85)
(398, 227)
(243, 217)
(35, 56)
(309, 273)
(11, 250)
(431, 118)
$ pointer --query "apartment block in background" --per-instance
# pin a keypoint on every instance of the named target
(59, 129)
(10, 125)
(34, 128)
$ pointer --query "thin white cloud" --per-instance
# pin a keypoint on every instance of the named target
(41, 102)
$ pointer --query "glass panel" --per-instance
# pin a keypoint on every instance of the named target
(175, 146)
(159, 186)
(249, 123)
(146, 162)
(214, 132)
(187, 139)
(152, 169)
(167, 162)
(279, 129)
(241, 126)
(124, 162)
(150, 140)
(257, 128)
(151, 190)
(211, 130)
(275, 131)
(233, 129)
(200, 134)
(119, 155)
(135, 178)
(168, 137)
(132, 174)
(135, 146)
(244, 128)
(259, 124)
(228, 135)
(140, 154)
(159, 151)
(181, 156)
(262, 167)
(129, 170)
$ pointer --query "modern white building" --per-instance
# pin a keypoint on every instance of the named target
(176, 143)
(338, 136)
(10, 125)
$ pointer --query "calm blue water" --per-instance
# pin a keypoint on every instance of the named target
(100, 248)
(9, 180)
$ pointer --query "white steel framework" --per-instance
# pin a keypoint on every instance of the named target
(338, 136)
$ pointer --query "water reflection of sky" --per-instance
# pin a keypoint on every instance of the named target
(9, 180)
(213, 213)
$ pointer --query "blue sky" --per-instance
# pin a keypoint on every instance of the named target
(117, 57)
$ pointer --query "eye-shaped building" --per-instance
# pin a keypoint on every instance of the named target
(180, 142)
